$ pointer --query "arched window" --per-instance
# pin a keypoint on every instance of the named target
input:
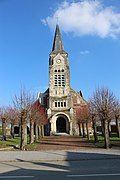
(59, 80)
(64, 104)
(55, 104)
(60, 104)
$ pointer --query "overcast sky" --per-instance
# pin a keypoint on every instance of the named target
(90, 33)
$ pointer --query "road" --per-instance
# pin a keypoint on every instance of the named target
(100, 169)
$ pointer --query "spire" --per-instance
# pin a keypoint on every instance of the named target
(57, 44)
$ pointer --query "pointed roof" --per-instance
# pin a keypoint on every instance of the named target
(57, 44)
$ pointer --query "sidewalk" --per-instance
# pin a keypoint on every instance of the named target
(83, 154)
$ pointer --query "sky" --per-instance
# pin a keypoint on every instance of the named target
(90, 32)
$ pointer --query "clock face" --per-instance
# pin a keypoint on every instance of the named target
(58, 61)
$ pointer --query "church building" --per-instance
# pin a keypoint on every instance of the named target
(60, 100)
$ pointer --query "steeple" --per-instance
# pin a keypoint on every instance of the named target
(57, 44)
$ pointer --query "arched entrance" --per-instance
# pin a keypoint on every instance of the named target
(61, 124)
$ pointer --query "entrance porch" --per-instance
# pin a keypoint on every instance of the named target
(60, 123)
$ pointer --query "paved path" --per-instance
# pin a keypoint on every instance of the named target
(59, 155)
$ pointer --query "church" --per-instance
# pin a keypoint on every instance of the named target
(60, 100)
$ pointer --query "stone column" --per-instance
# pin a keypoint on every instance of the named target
(71, 132)
(53, 125)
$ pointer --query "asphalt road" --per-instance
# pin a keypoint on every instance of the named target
(101, 169)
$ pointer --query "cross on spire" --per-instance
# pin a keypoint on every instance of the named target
(57, 18)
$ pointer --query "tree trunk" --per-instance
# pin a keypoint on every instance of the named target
(4, 129)
(42, 130)
(106, 135)
(26, 133)
(83, 129)
(109, 129)
(118, 127)
(20, 129)
(88, 134)
(12, 130)
(95, 131)
(39, 131)
(31, 132)
(36, 132)
(102, 127)
(80, 132)
(23, 133)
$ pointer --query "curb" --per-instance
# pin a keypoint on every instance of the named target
(7, 149)
(57, 155)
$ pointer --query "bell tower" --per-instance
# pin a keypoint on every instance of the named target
(59, 75)
(60, 100)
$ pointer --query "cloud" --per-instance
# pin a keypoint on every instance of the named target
(84, 52)
(86, 18)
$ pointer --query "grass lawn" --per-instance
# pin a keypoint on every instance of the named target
(10, 142)
(115, 142)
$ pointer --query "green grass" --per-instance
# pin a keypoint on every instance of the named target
(10, 142)
(32, 147)
(114, 140)
(16, 141)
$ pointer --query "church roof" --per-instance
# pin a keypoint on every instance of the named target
(73, 93)
(57, 43)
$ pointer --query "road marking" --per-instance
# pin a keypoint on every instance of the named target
(92, 175)
(10, 177)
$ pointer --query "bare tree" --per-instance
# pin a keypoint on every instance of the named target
(79, 122)
(103, 102)
(117, 116)
(40, 119)
(31, 128)
(12, 118)
(83, 119)
(93, 115)
(87, 117)
(4, 117)
(23, 103)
